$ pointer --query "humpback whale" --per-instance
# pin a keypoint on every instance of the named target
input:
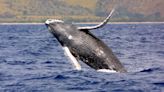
(81, 45)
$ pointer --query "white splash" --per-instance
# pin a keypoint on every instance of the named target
(73, 59)
(107, 71)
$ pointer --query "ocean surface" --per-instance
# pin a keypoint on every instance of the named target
(31, 60)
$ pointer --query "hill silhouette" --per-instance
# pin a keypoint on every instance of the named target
(80, 10)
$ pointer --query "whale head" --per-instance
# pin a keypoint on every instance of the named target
(62, 31)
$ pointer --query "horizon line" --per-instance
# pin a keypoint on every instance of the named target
(39, 23)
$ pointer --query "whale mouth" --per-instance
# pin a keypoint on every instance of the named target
(50, 21)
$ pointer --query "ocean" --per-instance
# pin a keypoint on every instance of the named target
(32, 60)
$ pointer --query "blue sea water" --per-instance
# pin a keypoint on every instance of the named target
(31, 60)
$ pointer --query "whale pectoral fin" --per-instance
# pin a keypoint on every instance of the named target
(72, 58)
(99, 25)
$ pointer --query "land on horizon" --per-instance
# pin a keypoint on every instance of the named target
(78, 11)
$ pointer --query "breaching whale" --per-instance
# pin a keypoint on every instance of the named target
(81, 45)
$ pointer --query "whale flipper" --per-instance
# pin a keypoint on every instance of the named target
(72, 58)
(99, 25)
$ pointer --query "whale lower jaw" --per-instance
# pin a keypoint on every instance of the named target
(106, 71)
